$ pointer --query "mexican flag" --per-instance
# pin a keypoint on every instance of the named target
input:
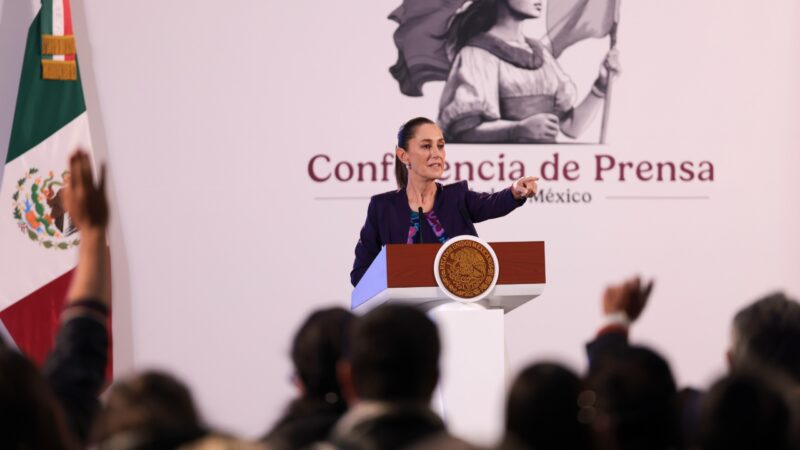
(38, 243)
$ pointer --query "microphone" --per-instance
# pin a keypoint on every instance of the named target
(421, 219)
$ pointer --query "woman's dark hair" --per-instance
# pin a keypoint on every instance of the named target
(29, 415)
(542, 409)
(404, 134)
(316, 349)
(477, 18)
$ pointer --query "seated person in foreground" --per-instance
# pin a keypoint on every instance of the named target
(388, 380)
(543, 412)
(316, 349)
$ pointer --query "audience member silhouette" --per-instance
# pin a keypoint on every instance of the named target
(745, 412)
(634, 401)
(29, 415)
(542, 410)
(388, 377)
(766, 335)
(152, 410)
(316, 350)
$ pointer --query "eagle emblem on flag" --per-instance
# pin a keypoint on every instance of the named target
(40, 212)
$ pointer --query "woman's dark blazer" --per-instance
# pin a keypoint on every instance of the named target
(456, 206)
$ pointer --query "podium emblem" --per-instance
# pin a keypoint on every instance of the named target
(466, 269)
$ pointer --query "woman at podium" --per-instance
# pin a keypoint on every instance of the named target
(423, 210)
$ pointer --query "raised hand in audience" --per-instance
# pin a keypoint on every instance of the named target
(85, 201)
(628, 298)
(75, 369)
(623, 303)
(87, 207)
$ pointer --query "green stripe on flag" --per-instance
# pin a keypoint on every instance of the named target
(43, 106)
(46, 26)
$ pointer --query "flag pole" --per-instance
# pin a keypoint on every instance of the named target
(612, 34)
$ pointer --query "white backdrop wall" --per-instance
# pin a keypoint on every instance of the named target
(208, 114)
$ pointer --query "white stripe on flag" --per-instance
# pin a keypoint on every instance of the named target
(58, 23)
(58, 17)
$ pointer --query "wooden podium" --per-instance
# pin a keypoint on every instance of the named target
(471, 393)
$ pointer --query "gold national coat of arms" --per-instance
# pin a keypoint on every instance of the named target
(466, 269)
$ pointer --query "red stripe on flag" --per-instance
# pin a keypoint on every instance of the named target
(67, 18)
(34, 321)
(68, 25)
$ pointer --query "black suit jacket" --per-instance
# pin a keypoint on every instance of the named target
(75, 370)
(395, 429)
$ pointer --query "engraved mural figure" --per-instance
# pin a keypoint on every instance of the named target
(502, 86)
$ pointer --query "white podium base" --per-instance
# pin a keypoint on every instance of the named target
(472, 387)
